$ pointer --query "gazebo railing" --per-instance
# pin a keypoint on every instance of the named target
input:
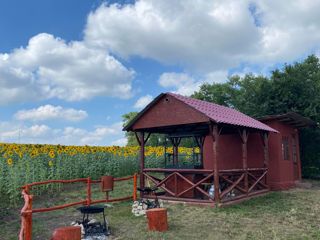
(234, 186)
(195, 185)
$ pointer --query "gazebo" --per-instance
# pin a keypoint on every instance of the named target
(231, 164)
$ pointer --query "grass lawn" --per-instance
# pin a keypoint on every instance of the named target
(293, 214)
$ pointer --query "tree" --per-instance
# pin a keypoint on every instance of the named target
(132, 141)
(295, 88)
(154, 140)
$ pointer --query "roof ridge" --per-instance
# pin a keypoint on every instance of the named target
(222, 114)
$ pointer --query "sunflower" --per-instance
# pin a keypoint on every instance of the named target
(51, 154)
(9, 161)
(10, 153)
(50, 163)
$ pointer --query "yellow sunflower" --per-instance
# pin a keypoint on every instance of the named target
(51, 154)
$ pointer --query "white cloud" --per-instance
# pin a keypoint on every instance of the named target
(11, 132)
(195, 34)
(49, 67)
(201, 36)
(182, 82)
(49, 112)
(21, 133)
(205, 35)
(143, 101)
(102, 135)
(186, 85)
(120, 142)
(216, 76)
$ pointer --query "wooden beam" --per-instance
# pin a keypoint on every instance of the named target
(137, 137)
(175, 185)
(262, 184)
(232, 186)
(147, 138)
(186, 200)
(195, 185)
(244, 139)
(266, 149)
(156, 182)
(175, 142)
(231, 182)
(175, 153)
(163, 180)
(170, 170)
(257, 181)
(141, 168)
(199, 189)
(215, 137)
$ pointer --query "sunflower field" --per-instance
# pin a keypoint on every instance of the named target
(27, 163)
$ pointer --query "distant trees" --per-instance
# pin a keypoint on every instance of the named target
(126, 118)
(154, 140)
(295, 88)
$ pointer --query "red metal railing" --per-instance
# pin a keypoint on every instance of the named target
(26, 211)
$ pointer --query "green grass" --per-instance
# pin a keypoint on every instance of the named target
(293, 214)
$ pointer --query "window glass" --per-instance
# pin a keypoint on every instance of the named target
(285, 148)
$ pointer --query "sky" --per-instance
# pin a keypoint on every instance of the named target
(70, 69)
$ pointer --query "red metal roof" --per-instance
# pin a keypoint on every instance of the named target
(221, 114)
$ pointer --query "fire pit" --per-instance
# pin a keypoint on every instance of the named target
(93, 228)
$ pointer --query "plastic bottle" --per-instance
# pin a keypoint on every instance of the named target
(211, 190)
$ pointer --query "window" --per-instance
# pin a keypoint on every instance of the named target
(294, 149)
(285, 148)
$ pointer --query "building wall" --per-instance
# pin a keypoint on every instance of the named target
(230, 152)
(281, 172)
(255, 151)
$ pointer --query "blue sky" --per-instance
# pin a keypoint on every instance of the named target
(70, 69)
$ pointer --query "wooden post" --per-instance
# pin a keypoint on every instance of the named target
(298, 156)
(201, 140)
(266, 149)
(244, 139)
(265, 137)
(88, 192)
(28, 221)
(175, 152)
(135, 187)
(141, 162)
(141, 142)
(175, 142)
(215, 138)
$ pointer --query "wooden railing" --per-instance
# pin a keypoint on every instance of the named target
(193, 185)
(234, 185)
(26, 211)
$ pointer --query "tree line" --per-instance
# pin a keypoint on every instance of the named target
(294, 88)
